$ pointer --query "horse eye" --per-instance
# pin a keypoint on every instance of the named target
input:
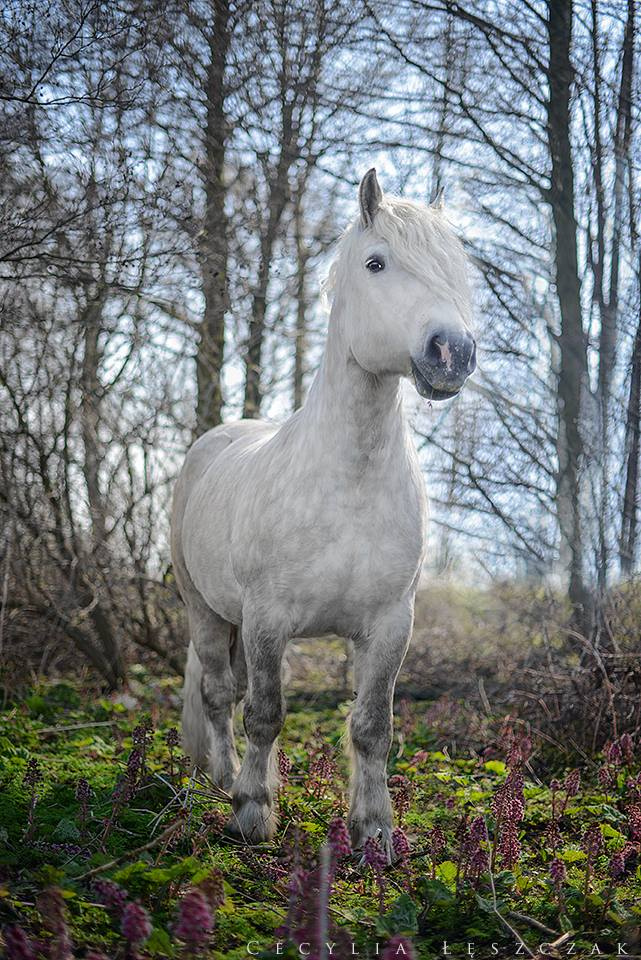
(375, 264)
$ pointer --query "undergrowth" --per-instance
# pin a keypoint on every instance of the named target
(111, 845)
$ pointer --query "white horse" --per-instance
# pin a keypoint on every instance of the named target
(317, 526)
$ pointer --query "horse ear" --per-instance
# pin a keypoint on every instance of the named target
(369, 196)
(437, 198)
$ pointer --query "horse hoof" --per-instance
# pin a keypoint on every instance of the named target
(252, 822)
(360, 831)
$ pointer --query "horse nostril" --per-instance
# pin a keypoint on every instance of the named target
(471, 363)
(438, 350)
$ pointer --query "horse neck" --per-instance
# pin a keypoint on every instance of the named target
(356, 414)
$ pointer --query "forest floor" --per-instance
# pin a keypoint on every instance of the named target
(110, 844)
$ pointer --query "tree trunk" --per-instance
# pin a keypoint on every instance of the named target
(630, 513)
(571, 341)
(214, 245)
(92, 460)
(278, 196)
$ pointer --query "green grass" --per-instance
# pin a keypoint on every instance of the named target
(72, 735)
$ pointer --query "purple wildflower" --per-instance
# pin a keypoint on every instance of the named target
(374, 855)
(135, 925)
(214, 822)
(553, 835)
(321, 770)
(172, 738)
(83, 791)
(111, 895)
(142, 734)
(614, 753)
(195, 920)
(52, 909)
(626, 743)
(478, 829)
(338, 837)
(519, 750)
(617, 865)
(473, 857)
(33, 774)
(555, 786)
(557, 871)
(509, 845)
(400, 845)
(437, 842)
(398, 946)
(572, 783)
(284, 768)
(605, 776)
(593, 841)
(634, 821)
(508, 807)
(214, 888)
(401, 789)
(135, 767)
(18, 945)
(634, 787)
(477, 864)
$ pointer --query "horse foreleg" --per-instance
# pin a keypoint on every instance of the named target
(379, 656)
(254, 817)
(210, 695)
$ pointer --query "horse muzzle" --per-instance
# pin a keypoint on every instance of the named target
(444, 365)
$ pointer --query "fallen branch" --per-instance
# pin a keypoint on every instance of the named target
(131, 854)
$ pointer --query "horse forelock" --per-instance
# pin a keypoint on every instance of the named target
(420, 239)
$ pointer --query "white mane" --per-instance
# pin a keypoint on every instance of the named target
(421, 240)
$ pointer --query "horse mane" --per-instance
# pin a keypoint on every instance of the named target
(421, 240)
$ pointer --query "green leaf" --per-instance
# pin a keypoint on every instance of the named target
(402, 918)
(446, 871)
(486, 905)
(495, 766)
(66, 831)
(159, 944)
(573, 856)
(434, 892)
(610, 832)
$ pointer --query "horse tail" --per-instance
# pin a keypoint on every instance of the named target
(195, 726)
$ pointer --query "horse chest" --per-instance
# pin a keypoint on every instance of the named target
(341, 553)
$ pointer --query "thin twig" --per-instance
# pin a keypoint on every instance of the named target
(130, 854)
(523, 917)
(506, 923)
(77, 726)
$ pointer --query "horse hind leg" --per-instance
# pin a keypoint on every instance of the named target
(210, 695)
(254, 817)
(238, 663)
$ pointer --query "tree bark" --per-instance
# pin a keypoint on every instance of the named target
(92, 459)
(630, 512)
(214, 245)
(278, 197)
(572, 379)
